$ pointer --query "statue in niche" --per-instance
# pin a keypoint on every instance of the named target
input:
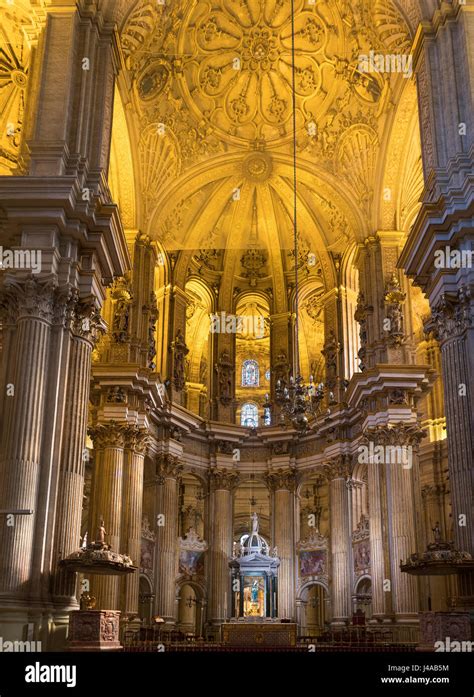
(203, 370)
(101, 533)
(394, 298)
(254, 523)
(121, 319)
(330, 353)
(225, 369)
(436, 533)
(180, 351)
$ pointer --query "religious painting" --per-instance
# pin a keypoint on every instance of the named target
(191, 562)
(312, 562)
(146, 556)
(254, 596)
(361, 553)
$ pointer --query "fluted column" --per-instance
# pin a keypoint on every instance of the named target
(168, 470)
(282, 483)
(379, 557)
(400, 475)
(452, 322)
(107, 484)
(136, 444)
(338, 471)
(222, 484)
(86, 327)
(31, 304)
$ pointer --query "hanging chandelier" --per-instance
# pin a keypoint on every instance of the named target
(296, 400)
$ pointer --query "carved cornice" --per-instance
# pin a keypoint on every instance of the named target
(396, 434)
(223, 479)
(281, 479)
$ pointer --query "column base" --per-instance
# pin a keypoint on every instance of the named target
(94, 630)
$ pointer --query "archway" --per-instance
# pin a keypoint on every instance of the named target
(190, 610)
(314, 609)
(363, 599)
(145, 600)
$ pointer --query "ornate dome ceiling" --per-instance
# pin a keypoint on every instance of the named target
(209, 104)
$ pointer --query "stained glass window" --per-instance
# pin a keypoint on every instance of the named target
(250, 374)
(249, 415)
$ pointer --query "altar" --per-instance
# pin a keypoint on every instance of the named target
(259, 633)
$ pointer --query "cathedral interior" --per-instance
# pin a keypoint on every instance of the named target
(237, 338)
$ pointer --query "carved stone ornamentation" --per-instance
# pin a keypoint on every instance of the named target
(168, 467)
(281, 479)
(452, 315)
(223, 479)
(34, 298)
(331, 351)
(109, 435)
(253, 262)
(152, 310)
(360, 316)
(137, 439)
(225, 369)
(394, 299)
(179, 351)
(94, 630)
(339, 467)
(122, 295)
(87, 322)
(395, 434)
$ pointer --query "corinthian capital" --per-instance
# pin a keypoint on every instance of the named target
(281, 479)
(339, 467)
(452, 315)
(31, 297)
(109, 435)
(223, 479)
(137, 439)
(168, 467)
(87, 322)
(396, 434)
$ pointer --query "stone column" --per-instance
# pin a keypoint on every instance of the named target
(168, 470)
(107, 487)
(400, 472)
(86, 327)
(30, 304)
(222, 484)
(338, 472)
(379, 557)
(282, 483)
(452, 321)
(135, 444)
